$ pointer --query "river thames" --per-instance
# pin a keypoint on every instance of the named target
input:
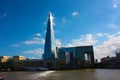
(85, 74)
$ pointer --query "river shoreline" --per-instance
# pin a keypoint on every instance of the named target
(60, 70)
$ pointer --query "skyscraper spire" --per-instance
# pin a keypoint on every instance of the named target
(50, 17)
(50, 47)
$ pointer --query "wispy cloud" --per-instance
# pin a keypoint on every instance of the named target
(3, 14)
(64, 20)
(37, 39)
(15, 45)
(75, 13)
(37, 34)
(38, 51)
(101, 34)
(87, 39)
(58, 42)
(116, 3)
(113, 26)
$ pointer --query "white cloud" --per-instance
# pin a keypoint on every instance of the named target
(101, 34)
(58, 42)
(32, 58)
(37, 34)
(75, 13)
(87, 39)
(38, 51)
(35, 40)
(15, 45)
(116, 3)
(108, 47)
(113, 35)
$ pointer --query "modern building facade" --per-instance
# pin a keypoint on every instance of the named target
(76, 57)
(50, 47)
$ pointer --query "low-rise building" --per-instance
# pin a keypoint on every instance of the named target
(34, 63)
(110, 62)
(18, 62)
(4, 58)
(105, 59)
(18, 58)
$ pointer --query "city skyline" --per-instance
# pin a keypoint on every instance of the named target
(23, 26)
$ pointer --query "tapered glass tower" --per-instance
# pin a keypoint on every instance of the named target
(50, 47)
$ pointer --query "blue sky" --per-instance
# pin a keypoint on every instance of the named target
(77, 22)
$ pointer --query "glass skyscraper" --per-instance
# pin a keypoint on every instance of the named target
(50, 47)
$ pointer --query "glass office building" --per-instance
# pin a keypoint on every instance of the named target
(79, 56)
(50, 47)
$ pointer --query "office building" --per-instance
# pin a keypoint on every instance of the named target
(50, 47)
(76, 57)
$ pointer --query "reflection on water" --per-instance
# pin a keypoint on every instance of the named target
(44, 75)
(86, 74)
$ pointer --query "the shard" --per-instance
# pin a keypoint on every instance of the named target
(50, 47)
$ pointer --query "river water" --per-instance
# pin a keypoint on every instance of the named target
(85, 74)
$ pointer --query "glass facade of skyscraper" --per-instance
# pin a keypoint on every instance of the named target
(50, 47)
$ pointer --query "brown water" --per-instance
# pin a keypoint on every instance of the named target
(86, 74)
